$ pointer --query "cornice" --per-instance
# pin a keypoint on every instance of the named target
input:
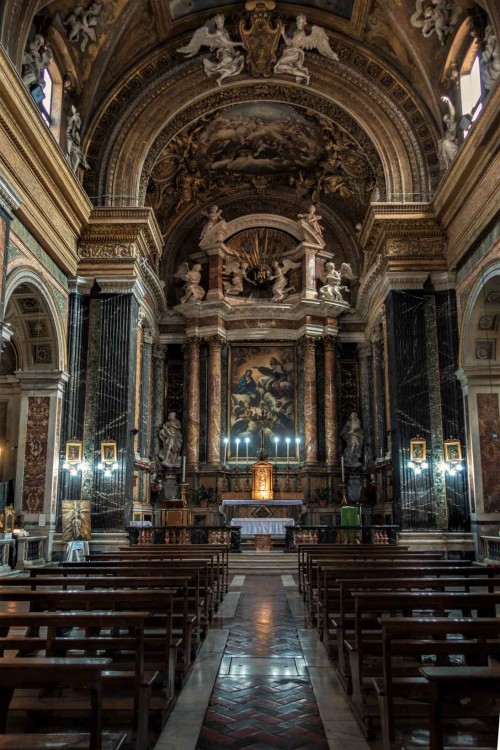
(54, 205)
(134, 225)
(10, 200)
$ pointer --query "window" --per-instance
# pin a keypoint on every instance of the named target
(470, 95)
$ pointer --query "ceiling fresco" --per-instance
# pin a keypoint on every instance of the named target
(181, 8)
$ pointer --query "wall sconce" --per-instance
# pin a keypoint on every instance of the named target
(418, 455)
(109, 455)
(74, 453)
(452, 457)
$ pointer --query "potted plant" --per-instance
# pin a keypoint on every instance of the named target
(325, 496)
(201, 496)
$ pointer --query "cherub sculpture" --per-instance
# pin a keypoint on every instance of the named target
(332, 280)
(74, 153)
(448, 145)
(192, 277)
(235, 273)
(291, 61)
(281, 290)
(36, 59)
(435, 17)
(82, 24)
(229, 62)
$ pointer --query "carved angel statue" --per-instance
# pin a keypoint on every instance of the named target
(448, 145)
(281, 290)
(490, 58)
(235, 273)
(311, 223)
(171, 437)
(229, 62)
(192, 277)
(331, 278)
(214, 217)
(35, 61)
(292, 59)
(82, 24)
(74, 153)
(435, 16)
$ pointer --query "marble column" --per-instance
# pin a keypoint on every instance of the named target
(308, 344)
(158, 403)
(385, 381)
(378, 395)
(193, 401)
(215, 344)
(331, 429)
(365, 387)
(145, 410)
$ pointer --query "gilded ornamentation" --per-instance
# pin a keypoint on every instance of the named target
(260, 32)
(438, 17)
(76, 520)
(108, 251)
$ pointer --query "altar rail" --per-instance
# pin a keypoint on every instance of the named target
(491, 548)
(295, 535)
(185, 535)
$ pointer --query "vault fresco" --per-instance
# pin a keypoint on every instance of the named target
(181, 8)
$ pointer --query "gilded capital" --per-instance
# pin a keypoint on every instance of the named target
(329, 343)
(308, 343)
(215, 342)
(193, 345)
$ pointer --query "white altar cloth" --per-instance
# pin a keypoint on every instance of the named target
(273, 526)
(228, 501)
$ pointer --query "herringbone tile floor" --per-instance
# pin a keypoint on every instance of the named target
(264, 700)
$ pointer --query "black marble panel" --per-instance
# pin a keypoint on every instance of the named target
(452, 405)
(115, 409)
(146, 395)
(320, 402)
(224, 397)
(410, 409)
(204, 405)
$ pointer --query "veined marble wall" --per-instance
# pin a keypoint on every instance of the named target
(489, 422)
(35, 456)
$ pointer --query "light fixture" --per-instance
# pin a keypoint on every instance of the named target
(109, 455)
(418, 455)
(452, 463)
(73, 458)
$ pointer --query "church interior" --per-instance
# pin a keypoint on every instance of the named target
(249, 374)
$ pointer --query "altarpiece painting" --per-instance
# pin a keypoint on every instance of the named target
(262, 394)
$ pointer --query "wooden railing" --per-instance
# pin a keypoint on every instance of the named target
(185, 535)
(295, 535)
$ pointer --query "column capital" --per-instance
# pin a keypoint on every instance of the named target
(308, 342)
(329, 343)
(159, 351)
(215, 342)
(148, 336)
(364, 348)
(193, 344)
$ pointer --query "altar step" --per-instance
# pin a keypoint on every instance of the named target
(250, 562)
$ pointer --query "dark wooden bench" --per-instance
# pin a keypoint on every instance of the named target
(403, 694)
(53, 673)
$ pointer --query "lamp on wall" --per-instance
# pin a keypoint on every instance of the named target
(73, 460)
(109, 457)
(418, 455)
(452, 457)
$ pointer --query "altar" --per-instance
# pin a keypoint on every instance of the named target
(237, 508)
(272, 526)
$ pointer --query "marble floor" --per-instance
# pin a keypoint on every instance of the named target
(262, 679)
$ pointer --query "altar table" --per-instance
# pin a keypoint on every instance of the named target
(273, 526)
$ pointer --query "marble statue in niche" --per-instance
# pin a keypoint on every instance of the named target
(280, 288)
(228, 61)
(36, 59)
(74, 153)
(332, 288)
(171, 438)
(490, 58)
(311, 224)
(448, 145)
(436, 17)
(82, 24)
(292, 59)
(192, 277)
(352, 434)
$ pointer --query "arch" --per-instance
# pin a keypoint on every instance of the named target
(489, 272)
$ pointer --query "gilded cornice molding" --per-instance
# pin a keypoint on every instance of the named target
(10, 200)
(155, 286)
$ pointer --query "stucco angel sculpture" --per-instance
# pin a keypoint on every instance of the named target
(281, 290)
(74, 153)
(192, 277)
(435, 17)
(291, 61)
(235, 273)
(229, 62)
(82, 24)
(332, 279)
(448, 145)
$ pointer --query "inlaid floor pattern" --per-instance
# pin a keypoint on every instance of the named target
(263, 698)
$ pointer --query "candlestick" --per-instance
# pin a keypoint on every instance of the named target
(342, 468)
(237, 449)
(247, 440)
(276, 441)
(297, 444)
(183, 469)
(226, 441)
(288, 450)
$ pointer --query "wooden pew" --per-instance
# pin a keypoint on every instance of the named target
(367, 643)
(402, 692)
(81, 674)
(101, 633)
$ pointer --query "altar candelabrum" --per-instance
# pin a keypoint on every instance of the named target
(236, 484)
(184, 487)
(288, 485)
(276, 486)
(299, 479)
(225, 487)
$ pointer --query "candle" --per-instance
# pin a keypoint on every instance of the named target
(226, 441)
(342, 468)
(237, 448)
(183, 469)
(288, 450)
(297, 443)
(247, 440)
(276, 441)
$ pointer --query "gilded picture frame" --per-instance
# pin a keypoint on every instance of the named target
(74, 452)
(109, 454)
(452, 451)
(418, 450)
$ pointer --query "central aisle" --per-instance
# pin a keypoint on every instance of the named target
(263, 697)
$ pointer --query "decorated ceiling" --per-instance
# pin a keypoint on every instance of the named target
(181, 8)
